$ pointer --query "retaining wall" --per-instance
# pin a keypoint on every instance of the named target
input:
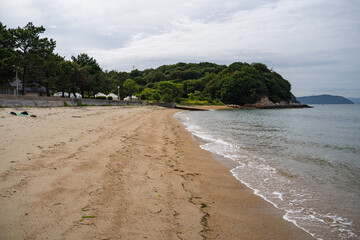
(28, 101)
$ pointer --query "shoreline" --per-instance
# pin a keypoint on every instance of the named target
(122, 172)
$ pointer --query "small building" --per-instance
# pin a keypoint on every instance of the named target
(16, 88)
(10, 89)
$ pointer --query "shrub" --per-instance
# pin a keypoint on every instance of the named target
(110, 98)
(80, 104)
(155, 96)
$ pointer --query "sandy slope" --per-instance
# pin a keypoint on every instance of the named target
(121, 173)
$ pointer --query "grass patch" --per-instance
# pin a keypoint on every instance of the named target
(80, 104)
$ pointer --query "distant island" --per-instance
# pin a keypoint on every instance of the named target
(324, 99)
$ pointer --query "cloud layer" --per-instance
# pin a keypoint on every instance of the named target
(312, 43)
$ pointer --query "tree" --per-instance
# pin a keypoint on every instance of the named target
(80, 78)
(51, 69)
(7, 55)
(245, 86)
(169, 91)
(147, 94)
(156, 96)
(118, 79)
(278, 88)
(191, 74)
(64, 82)
(262, 68)
(90, 63)
(135, 73)
(177, 74)
(97, 79)
(130, 87)
(31, 50)
(190, 86)
(236, 66)
(155, 76)
(213, 87)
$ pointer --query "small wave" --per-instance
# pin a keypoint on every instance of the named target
(256, 191)
(262, 167)
(279, 195)
(223, 142)
(289, 219)
(342, 148)
(301, 217)
(222, 148)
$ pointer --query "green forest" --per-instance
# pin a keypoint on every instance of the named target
(33, 57)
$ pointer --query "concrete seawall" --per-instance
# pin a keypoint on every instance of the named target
(27, 101)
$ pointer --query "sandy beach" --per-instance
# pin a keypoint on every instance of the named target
(121, 173)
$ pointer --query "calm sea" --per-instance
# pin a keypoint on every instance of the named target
(304, 161)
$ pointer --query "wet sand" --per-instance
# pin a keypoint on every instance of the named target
(121, 173)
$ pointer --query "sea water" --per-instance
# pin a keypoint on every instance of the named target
(303, 161)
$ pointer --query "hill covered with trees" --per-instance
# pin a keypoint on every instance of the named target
(324, 99)
(23, 49)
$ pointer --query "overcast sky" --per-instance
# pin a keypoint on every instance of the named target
(315, 44)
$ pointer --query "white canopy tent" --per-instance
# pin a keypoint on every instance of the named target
(131, 98)
(99, 94)
(66, 94)
(114, 96)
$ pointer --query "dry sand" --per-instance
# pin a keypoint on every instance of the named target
(121, 173)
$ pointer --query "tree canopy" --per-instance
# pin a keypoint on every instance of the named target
(31, 51)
